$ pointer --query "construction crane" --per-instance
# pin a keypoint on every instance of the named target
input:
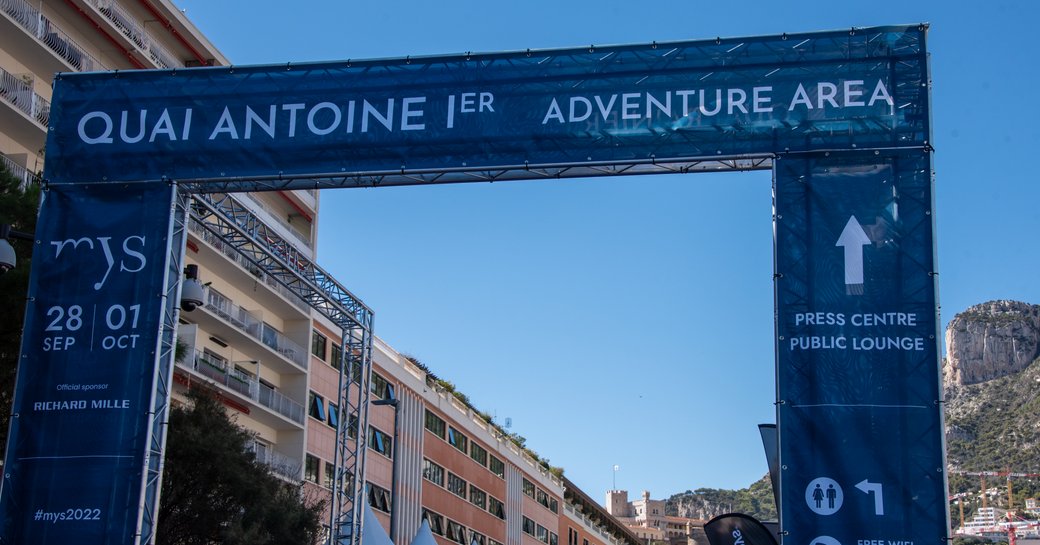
(1009, 475)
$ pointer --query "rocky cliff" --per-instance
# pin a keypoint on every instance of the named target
(991, 377)
(991, 340)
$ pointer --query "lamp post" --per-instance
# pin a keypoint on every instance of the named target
(392, 402)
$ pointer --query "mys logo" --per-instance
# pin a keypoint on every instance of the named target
(132, 260)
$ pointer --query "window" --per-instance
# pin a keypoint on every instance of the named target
(378, 498)
(336, 355)
(355, 368)
(435, 424)
(528, 526)
(381, 389)
(497, 508)
(269, 335)
(554, 539)
(380, 442)
(478, 497)
(542, 534)
(457, 532)
(493, 542)
(436, 521)
(542, 498)
(457, 439)
(498, 467)
(456, 485)
(348, 481)
(310, 472)
(572, 536)
(318, 344)
(554, 505)
(584, 542)
(477, 537)
(433, 472)
(333, 415)
(352, 426)
(528, 488)
(330, 475)
(214, 359)
(478, 453)
(316, 406)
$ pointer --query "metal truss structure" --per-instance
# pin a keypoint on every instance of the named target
(160, 405)
(232, 223)
(462, 175)
(521, 147)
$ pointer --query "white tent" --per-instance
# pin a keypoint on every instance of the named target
(372, 532)
(424, 536)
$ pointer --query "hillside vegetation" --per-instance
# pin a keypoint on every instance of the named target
(992, 397)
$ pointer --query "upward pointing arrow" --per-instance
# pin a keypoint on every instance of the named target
(853, 239)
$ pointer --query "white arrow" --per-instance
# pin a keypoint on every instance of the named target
(868, 487)
(853, 238)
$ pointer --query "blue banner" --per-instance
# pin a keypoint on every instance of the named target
(860, 412)
(644, 104)
(78, 438)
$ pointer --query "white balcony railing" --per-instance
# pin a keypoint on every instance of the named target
(247, 386)
(38, 25)
(255, 327)
(279, 463)
(276, 216)
(19, 93)
(19, 172)
(232, 254)
(134, 31)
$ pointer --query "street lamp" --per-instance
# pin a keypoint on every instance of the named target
(391, 401)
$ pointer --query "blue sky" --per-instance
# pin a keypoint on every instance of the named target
(629, 320)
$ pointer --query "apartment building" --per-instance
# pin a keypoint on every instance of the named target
(43, 37)
(437, 459)
(263, 351)
(249, 340)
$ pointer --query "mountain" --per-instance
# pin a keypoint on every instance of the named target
(705, 503)
(991, 386)
(991, 381)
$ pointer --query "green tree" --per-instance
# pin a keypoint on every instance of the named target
(214, 490)
(18, 207)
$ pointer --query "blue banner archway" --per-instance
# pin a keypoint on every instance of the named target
(842, 117)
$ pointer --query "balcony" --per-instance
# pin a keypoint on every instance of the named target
(280, 464)
(137, 39)
(19, 93)
(254, 327)
(251, 271)
(271, 216)
(20, 172)
(247, 386)
(38, 29)
(24, 114)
